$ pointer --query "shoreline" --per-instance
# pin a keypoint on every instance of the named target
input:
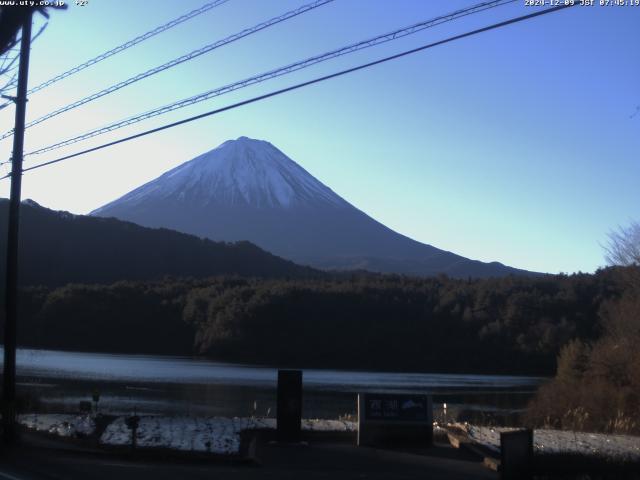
(235, 363)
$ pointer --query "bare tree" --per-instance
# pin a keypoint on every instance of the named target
(11, 20)
(623, 247)
(9, 62)
(622, 318)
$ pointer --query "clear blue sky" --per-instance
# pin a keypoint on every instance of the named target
(516, 145)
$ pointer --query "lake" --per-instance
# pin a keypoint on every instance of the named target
(195, 386)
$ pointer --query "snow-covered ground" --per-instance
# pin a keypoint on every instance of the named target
(219, 435)
(61, 424)
(623, 447)
(215, 435)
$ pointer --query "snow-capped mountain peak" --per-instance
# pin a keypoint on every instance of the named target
(238, 172)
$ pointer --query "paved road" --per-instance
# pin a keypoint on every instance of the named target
(321, 460)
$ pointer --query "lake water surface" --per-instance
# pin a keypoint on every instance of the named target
(162, 384)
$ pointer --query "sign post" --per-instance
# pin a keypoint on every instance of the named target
(389, 420)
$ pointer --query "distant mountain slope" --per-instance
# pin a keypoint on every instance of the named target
(58, 248)
(249, 190)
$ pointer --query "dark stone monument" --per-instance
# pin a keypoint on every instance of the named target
(516, 454)
(289, 405)
(390, 420)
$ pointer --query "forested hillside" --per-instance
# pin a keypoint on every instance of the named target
(508, 325)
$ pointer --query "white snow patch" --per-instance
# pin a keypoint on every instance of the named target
(624, 447)
(63, 425)
(318, 425)
(218, 435)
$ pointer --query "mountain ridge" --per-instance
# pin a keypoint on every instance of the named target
(58, 247)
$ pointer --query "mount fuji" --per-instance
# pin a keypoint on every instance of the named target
(247, 189)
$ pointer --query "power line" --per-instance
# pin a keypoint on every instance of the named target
(276, 73)
(177, 61)
(141, 38)
(301, 85)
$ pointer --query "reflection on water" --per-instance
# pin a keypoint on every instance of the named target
(159, 384)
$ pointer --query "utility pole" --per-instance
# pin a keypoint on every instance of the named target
(11, 286)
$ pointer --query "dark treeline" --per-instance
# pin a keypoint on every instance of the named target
(505, 325)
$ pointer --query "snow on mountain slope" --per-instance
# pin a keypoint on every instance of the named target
(238, 172)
